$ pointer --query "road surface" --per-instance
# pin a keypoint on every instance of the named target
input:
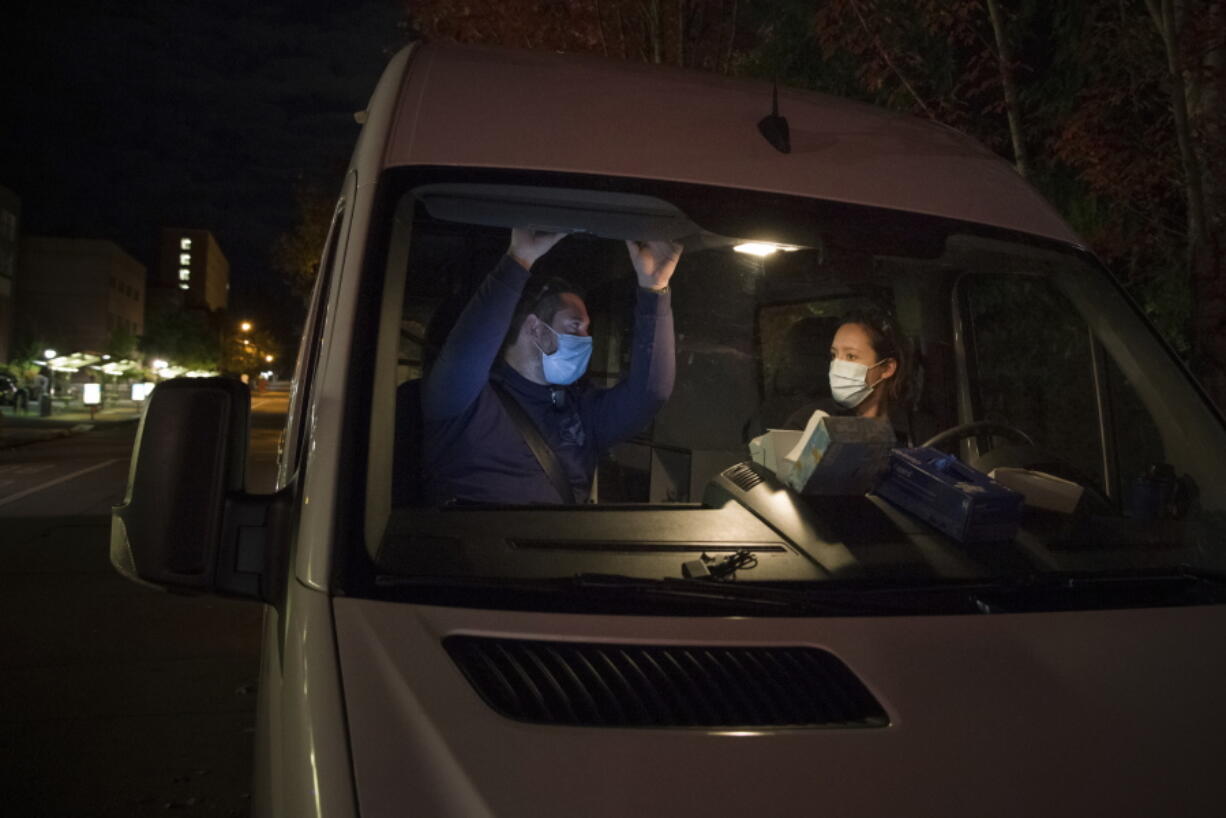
(115, 699)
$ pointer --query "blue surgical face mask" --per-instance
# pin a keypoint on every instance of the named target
(569, 361)
(849, 382)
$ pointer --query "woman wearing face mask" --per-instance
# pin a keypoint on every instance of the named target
(866, 373)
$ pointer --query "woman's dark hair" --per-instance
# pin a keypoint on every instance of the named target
(887, 342)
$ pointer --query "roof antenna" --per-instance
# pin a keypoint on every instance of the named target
(775, 127)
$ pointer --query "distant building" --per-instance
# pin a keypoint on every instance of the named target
(191, 264)
(10, 229)
(77, 293)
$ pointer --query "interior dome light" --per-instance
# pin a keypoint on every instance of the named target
(763, 248)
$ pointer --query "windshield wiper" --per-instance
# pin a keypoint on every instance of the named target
(1037, 591)
(1075, 581)
(1180, 584)
(1213, 578)
(683, 589)
(602, 587)
(757, 597)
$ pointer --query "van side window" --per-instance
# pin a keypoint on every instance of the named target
(1033, 363)
(1138, 443)
(308, 353)
(1030, 366)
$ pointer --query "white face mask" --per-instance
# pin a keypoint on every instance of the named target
(849, 382)
(569, 361)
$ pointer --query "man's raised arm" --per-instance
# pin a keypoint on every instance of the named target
(624, 410)
(463, 365)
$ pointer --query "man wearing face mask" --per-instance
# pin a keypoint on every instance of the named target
(525, 355)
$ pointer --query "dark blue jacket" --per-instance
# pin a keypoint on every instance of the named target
(473, 452)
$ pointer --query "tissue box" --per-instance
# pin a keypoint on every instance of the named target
(946, 493)
(770, 449)
(840, 455)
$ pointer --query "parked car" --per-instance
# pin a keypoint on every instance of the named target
(856, 660)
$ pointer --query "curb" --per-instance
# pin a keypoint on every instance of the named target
(16, 444)
(59, 434)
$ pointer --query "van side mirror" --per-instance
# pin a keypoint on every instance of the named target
(185, 522)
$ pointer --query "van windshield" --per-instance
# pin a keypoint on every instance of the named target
(825, 395)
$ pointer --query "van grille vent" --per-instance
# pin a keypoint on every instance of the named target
(743, 476)
(612, 685)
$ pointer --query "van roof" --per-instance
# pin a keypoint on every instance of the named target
(499, 108)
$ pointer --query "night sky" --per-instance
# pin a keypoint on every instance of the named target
(117, 118)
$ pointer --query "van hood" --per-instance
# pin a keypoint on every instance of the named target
(1073, 713)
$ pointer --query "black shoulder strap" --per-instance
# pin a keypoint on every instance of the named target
(532, 436)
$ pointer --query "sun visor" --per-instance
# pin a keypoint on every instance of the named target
(604, 214)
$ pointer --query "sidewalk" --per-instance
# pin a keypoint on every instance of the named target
(17, 429)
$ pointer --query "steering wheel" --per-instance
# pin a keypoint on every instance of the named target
(978, 427)
(1026, 454)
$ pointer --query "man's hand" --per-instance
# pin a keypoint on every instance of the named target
(654, 262)
(527, 245)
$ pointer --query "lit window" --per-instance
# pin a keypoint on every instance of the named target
(185, 258)
(184, 274)
(183, 285)
(185, 244)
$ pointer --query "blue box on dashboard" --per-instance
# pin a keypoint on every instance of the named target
(946, 493)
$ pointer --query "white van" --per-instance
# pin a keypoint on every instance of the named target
(493, 659)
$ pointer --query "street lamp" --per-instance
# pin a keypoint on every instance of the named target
(49, 354)
(268, 358)
(245, 326)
